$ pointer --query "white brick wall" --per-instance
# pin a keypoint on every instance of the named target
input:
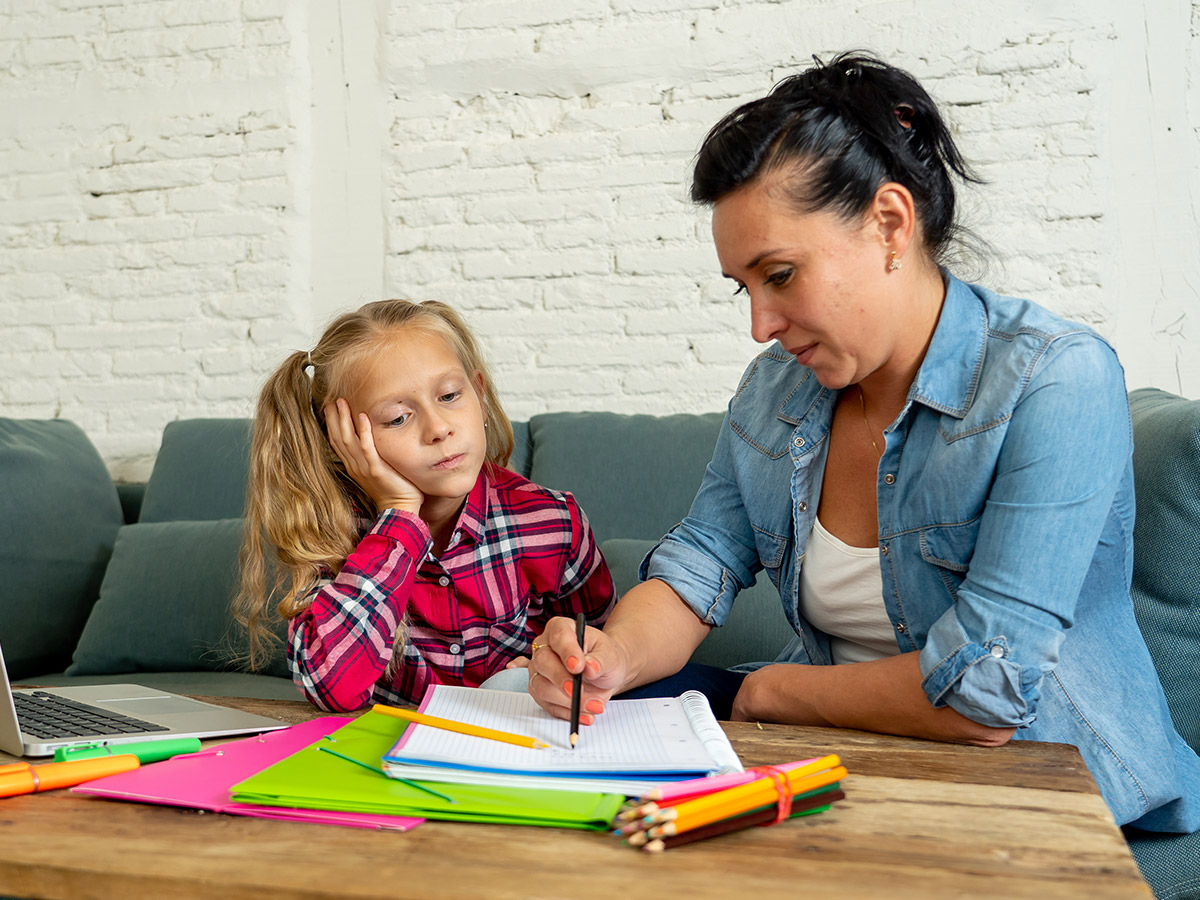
(188, 190)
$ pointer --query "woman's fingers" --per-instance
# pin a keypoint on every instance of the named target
(555, 660)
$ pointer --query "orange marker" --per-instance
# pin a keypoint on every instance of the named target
(49, 776)
(14, 767)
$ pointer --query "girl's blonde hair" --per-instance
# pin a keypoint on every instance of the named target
(302, 508)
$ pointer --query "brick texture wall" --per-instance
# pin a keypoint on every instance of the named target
(189, 190)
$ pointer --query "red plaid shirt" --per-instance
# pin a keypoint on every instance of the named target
(519, 554)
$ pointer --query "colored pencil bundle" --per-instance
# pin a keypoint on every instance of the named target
(707, 807)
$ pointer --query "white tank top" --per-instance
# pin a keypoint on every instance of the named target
(841, 593)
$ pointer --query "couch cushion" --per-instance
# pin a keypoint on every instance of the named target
(635, 476)
(1166, 543)
(164, 602)
(1168, 862)
(522, 449)
(756, 630)
(200, 472)
(59, 515)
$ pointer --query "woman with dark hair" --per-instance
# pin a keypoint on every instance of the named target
(937, 479)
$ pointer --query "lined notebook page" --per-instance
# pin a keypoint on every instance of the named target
(670, 734)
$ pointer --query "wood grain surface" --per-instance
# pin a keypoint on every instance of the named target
(920, 820)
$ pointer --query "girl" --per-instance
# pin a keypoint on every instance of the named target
(406, 555)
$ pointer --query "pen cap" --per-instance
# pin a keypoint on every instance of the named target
(145, 751)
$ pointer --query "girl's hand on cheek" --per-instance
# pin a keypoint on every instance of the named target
(354, 443)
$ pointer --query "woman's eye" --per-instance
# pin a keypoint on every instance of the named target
(741, 289)
(779, 278)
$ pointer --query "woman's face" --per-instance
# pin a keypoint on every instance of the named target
(817, 284)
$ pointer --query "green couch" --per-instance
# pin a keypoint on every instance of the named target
(112, 582)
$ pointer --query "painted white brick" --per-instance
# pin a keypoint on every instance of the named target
(535, 165)
(516, 14)
(486, 265)
(205, 198)
(53, 51)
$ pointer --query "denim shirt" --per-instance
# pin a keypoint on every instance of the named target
(1006, 508)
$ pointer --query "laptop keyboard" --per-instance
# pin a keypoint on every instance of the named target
(49, 716)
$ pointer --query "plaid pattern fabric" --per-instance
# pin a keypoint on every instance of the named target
(519, 555)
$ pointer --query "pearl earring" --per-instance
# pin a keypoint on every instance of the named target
(895, 263)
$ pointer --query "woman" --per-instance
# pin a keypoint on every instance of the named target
(937, 479)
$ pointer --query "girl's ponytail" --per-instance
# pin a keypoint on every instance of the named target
(299, 513)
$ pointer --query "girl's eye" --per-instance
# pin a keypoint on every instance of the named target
(399, 420)
(451, 397)
(740, 290)
(779, 278)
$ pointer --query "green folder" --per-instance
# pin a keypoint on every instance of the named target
(352, 781)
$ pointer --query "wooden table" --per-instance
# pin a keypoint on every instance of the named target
(920, 820)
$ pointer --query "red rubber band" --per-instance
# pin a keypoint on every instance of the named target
(783, 807)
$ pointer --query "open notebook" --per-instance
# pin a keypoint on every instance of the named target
(634, 743)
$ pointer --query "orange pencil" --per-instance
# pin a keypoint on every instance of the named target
(687, 820)
(763, 785)
(49, 776)
(492, 734)
(765, 816)
(695, 819)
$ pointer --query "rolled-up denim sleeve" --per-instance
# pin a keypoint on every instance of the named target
(709, 556)
(1066, 450)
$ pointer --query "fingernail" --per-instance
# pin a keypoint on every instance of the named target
(572, 662)
(593, 667)
(586, 719)
(596, 706)
(567, 685)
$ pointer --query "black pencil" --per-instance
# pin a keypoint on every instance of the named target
(577, 682)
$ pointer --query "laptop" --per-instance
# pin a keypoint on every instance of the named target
(37, 721)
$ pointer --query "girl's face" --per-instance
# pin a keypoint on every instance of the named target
(817, 283)
(426, 414)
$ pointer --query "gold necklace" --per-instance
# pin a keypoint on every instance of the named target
(870, 431)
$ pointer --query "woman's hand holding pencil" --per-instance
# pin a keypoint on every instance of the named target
(559, 659)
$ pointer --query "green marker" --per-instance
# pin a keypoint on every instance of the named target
(145, 751)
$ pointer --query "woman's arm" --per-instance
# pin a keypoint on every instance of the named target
(884, 695)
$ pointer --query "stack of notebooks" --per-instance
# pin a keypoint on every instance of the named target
(378, 772)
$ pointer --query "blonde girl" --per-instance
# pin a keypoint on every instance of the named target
(383, 526)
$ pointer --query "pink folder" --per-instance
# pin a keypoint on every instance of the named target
(202, 780)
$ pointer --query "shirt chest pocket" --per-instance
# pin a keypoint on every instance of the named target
(771, 549)
(949, 549)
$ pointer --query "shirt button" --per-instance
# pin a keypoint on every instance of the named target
(889, 478)
(798, 441)
(883, 549)
(803, 506)
(456, 648)
(900, 627)
(443, 581)
(997, 651)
